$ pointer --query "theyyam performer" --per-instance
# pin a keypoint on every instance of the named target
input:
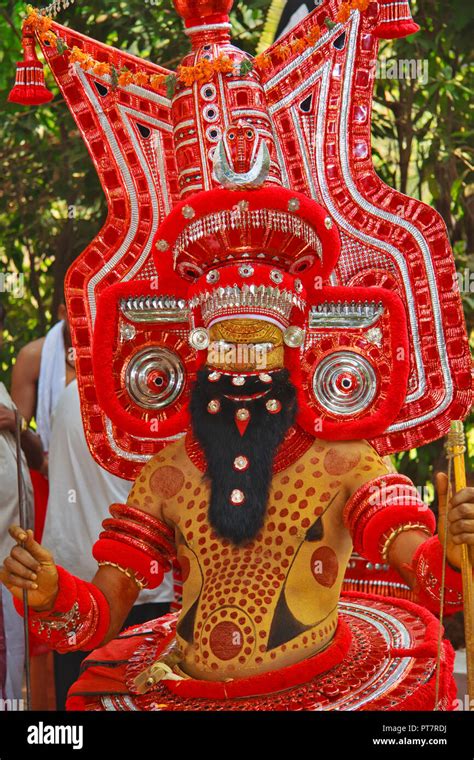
(258, 323)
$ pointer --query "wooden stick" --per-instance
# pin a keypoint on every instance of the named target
(456, 449)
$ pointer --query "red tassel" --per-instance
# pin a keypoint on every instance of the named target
(29, 88)
(394, 20)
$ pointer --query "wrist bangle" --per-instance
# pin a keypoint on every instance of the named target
(140, 582)
(390, 538)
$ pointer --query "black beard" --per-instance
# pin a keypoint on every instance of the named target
(222, 443)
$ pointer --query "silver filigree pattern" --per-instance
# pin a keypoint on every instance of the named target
(222, 221)
(154, 309)
(263, 297)
(349, 314)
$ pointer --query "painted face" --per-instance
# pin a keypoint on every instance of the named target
(245, 345)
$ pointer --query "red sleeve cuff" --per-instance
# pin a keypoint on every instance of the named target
(65, 598)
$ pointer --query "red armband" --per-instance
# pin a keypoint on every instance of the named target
(382, 508)
(79, 619)
(138, 542)
(427, 565)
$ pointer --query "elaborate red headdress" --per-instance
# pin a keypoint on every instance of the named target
(249, 190)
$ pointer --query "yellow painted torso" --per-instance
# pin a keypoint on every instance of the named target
(273, 601)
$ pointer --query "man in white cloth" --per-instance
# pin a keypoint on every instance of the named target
(79, 497)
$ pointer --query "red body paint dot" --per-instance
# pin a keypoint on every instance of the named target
(338, 462)
(325, 566)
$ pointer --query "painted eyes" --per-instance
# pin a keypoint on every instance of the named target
(249, 134)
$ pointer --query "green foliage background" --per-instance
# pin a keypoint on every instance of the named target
(51, 203)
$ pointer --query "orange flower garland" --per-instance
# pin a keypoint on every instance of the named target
(203, 71)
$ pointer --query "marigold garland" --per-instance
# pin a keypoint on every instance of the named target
(203, 71)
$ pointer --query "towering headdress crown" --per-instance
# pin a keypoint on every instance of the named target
(222, 176)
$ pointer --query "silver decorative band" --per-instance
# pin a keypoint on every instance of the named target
(347, 314)
(248, 296)
(229, 219)
(154, 309)
(207, 28)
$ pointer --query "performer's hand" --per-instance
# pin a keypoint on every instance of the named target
(460, 519)
(30, 567)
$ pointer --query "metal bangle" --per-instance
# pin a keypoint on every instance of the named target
(141, 582)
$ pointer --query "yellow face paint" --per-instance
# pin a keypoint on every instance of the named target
(245, 345)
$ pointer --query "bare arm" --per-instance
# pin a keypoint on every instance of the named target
(30, 441)
(24, 392)
(25, 378)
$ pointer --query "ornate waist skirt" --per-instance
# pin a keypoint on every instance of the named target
(383, 657)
